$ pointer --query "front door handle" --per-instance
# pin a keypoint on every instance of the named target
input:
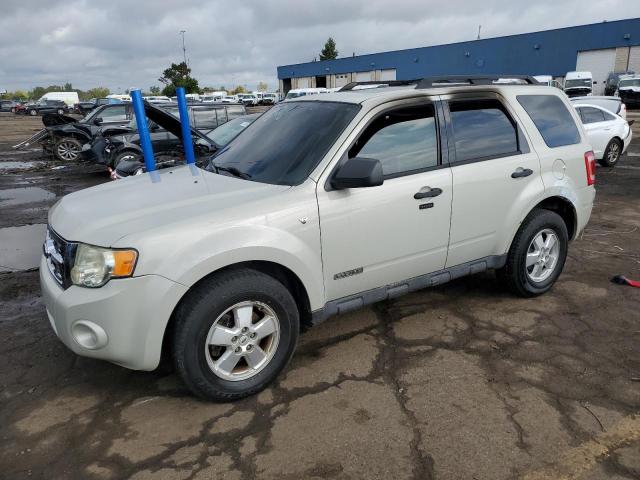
(427, 192)
(521, 172)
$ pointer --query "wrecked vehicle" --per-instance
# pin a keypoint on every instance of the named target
(63, 136)
(113, 145)
(219, 138)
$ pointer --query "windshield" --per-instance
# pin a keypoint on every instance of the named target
(287, 142)
(632, 82)
(578, 82)
(222, 135)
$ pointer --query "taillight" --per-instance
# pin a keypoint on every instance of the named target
(590, 166)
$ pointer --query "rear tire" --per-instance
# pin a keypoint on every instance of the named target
(533, 266)
(211, 330)
(126, 155)
(611, 154)
(60, 111)
(33, 112)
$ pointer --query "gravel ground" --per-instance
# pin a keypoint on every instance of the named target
(463, 381)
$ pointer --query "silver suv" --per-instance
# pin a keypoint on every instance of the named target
(324, 204)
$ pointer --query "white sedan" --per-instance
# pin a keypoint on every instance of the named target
(608, 133)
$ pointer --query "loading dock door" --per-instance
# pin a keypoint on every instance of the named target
(364, 76)
(634, 59)
(389, 74)
(599, 63)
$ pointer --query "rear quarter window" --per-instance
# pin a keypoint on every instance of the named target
(552, 119)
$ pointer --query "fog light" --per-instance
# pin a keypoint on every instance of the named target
(89, 335)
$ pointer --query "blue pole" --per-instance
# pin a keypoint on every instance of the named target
(143, 130)
(187, 142)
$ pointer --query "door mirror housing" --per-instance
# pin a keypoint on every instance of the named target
(358, 172)
(97, 121)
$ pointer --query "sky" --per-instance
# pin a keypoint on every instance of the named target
(123, 44)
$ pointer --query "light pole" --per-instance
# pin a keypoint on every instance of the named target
(184, 49)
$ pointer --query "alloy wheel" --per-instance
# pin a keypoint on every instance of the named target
(542, 255)
(614, 153)
(67, 150)
(242, 340)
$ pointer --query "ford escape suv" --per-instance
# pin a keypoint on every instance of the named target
(322, 205)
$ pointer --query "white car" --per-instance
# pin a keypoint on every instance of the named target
(248, 98)
(230, 99)
(610, 103)
(608, 133)
(324, 204)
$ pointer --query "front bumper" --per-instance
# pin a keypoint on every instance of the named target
(122, 322)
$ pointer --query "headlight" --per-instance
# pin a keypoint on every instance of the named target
(95, 266)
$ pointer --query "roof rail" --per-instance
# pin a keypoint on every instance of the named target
(379, 84)
(452, 80)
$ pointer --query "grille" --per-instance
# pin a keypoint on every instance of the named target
(58, 253)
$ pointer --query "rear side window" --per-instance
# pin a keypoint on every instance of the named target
(482, 129)
(552, 119)
(591, 115)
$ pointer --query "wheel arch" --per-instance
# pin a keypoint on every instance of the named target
(283, 274)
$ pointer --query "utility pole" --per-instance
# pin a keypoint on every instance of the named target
(184, 49)
(479, 27)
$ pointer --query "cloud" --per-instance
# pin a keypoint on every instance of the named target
(120, 44)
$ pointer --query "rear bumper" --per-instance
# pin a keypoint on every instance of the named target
(122, 322)
(586, 197)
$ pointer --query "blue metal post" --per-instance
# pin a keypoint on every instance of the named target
(187, 142)
(143, 130)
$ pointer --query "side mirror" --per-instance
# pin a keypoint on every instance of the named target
(97, 121)
(358, 172)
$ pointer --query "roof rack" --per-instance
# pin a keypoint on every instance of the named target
(452, 80)
(379, 84)
(447, 81)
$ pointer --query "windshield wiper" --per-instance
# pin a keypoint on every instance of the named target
(232, 170)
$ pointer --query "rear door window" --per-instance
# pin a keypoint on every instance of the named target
(482, 129)
(552, 119)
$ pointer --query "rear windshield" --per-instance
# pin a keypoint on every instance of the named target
(287, 142)
(552, 118)
(578, 83)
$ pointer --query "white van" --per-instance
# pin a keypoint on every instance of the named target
(212, 97)
(70, 98)
(578, 84)
(547, 80)
(301, 92)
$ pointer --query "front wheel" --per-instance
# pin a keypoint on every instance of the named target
(60, 111)
(33, 112)
(234, 333)
(67, 149)
(611, 154)
(537, 255)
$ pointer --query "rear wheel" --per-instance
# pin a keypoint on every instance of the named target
(33, 112)
(68, 149)
(234, 333)
(537, 255)
(60, 111)
(13, 110)
(611, 154)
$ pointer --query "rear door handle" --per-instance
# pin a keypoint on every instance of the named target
(521, 172)
(427, 192)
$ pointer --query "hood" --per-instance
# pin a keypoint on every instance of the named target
(169, 122)
(53, 119)
(104, 214)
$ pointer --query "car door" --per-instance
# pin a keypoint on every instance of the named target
(495, 175)
(599, 129)
(376, 236)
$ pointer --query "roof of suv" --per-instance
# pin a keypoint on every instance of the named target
(398, 92)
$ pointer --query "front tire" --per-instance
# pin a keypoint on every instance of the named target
(233, 334)
(67, 149)
(537, 255)
(60, 111)
(611, 154)
(126, 156)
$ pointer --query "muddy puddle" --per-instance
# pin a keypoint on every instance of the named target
(21, 247)
(19, 196)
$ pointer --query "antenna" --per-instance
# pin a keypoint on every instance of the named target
(184, 49)
(479, 27)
